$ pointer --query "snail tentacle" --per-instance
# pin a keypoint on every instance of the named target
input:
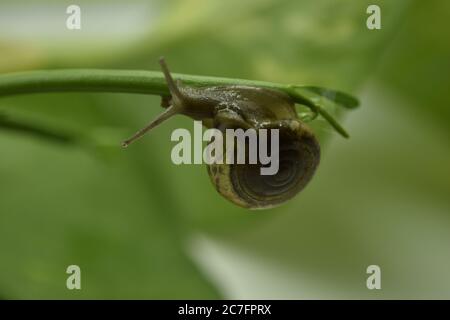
(175, 106)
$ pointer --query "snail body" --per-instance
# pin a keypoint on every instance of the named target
(245, 107)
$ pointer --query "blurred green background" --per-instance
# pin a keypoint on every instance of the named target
(142, 227)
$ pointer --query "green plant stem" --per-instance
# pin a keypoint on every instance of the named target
(6, 123)
(127, 81)
(149, 82)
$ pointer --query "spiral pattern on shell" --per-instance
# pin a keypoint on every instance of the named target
(299, 156)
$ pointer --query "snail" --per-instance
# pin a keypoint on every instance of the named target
(239, 106)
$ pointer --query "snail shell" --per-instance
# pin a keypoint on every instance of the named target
(299, 152)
